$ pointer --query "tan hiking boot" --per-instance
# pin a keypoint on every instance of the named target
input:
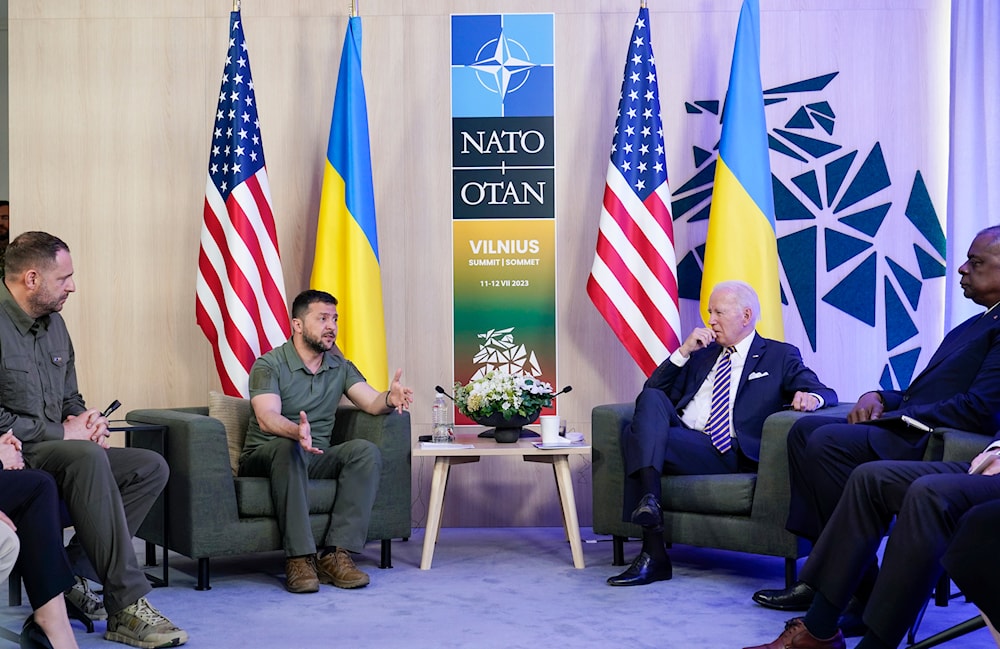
(300, 574)
(338, 568)
(81, 596)
(141, 625)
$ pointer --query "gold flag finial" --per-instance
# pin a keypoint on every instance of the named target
(236, 5)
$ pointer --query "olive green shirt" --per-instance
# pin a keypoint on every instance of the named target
(281, 372)
(38, 387)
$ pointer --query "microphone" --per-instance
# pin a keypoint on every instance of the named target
(568, 388)
(440, 390)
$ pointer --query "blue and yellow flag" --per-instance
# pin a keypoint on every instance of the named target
(347, 261)
(742, 242)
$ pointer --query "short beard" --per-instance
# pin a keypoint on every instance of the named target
(315, 344)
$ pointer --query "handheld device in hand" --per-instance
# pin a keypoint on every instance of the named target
(114, 405)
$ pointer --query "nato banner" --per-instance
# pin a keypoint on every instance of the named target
(503, 195)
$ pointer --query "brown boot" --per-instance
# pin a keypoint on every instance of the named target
(338, 568)
(300, 574)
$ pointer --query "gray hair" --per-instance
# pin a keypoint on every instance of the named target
(745, 296)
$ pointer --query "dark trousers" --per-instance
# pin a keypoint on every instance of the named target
(658, 438)
(928, 500)
(971, 558)
(822, 453)
(108, 493)
(31, 500)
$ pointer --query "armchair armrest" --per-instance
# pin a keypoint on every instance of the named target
(391, 433)
(200, 491)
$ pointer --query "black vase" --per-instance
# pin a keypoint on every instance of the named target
(507, 430)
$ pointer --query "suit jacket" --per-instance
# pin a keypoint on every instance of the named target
(959, 388)
(778, 373)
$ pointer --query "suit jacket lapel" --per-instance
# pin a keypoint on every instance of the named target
(754, 354)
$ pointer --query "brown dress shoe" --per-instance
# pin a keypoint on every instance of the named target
(300, 574)
(797, 636)
(338, 568)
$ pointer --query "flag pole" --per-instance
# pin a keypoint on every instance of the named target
(236, 5)
(354, 8)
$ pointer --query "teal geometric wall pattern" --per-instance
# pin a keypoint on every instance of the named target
(832, 212)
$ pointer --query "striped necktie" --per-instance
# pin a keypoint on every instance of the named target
(718, 418)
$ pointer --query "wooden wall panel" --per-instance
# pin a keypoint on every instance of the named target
(111, 108)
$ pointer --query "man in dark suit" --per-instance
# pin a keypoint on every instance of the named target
(928, 500)
(959, 388)
(971, 559)
(702, 410)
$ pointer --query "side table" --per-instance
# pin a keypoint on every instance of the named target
(445, 458)
(150, 436)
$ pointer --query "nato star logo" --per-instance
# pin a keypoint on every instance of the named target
(499, 69)
(501, 65)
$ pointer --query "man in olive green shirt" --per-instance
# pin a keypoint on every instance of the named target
(108, 491)
(294, 391)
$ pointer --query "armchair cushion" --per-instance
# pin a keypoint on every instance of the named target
(730, 493)
(234, 414)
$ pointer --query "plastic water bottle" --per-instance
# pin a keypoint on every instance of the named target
(441, 417)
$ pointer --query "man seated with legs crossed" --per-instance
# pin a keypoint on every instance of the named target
(295, 390)
(928, 500)
(959, 388)
(702, 411)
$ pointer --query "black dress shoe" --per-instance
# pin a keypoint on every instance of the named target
(644, 570)
(648, 513)
(796, 598)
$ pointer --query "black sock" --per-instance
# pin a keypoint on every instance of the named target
(649, 478)
(652, 543)
(821, 618)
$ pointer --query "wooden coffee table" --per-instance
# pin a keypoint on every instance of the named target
(445, 458)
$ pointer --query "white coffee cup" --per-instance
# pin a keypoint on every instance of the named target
(550, 429)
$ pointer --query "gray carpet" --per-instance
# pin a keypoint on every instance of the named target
(508, 587)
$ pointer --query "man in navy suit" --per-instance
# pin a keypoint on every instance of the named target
(959, 388)
(702, 411)
(936, 506)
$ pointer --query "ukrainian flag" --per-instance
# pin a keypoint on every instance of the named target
(347, 262)
(742, 243)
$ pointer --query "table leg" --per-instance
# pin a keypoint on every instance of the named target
(564, 484)
(438, 483)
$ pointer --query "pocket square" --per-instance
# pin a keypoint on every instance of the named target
(756, 375)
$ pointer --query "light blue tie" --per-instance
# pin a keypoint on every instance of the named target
(718, 418)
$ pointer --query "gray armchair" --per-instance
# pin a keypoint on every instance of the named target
(211, 513)
(745, 512)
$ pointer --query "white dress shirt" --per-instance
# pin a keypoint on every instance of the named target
(696, 412)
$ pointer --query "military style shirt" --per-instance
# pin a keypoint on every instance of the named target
(38, 388)
(281, 371)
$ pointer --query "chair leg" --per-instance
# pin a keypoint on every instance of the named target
(14, 588)
(386, 554)
(618, 548)
(942, 592)
(791, 572)
(970, 625)
(203, 575)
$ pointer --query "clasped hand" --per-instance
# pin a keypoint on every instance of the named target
(88, 425)
(10, 452)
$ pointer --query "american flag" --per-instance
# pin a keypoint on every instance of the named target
(633, 281)
(241, 293)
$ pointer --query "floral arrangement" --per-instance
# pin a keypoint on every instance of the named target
(498, 392)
